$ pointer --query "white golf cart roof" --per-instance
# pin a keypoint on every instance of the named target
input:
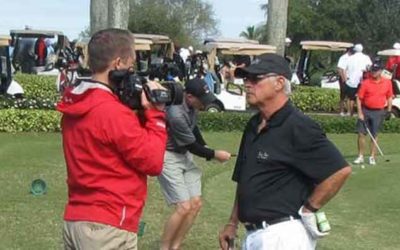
(156, 39)
(4, 40)
(140, 44)
(250, 49)
(229, 40)
(36, 33)
(389, 52)
(325, 45)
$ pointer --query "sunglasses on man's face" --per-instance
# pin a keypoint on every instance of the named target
(254, 79)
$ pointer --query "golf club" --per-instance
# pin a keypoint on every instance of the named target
(374, 141)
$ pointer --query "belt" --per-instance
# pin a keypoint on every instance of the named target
(264, 224)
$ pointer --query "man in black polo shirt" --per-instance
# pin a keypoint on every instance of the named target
(180, 179)
(286, 168)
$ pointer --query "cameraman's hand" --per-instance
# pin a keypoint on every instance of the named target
(222, 155)
(146, 103)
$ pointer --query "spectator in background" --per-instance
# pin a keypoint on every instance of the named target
(180, 180)
(40, 51)
(354, 69)
(393, 63)
(372, 97)
(341, 66)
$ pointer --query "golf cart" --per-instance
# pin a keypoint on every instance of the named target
(71, 72)
(395, 82)
(307, 66)
(7, 85)
(231, 95)
(25, 41)
(162, 61)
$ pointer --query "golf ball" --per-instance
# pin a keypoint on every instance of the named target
(362, 166)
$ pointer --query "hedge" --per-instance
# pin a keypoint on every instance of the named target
(38, 87)
(329, 123)
(16, 120)
(41, 93)
(315, 99)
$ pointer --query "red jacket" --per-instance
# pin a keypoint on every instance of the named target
(108, 155)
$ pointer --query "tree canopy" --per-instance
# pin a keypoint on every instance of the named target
(371, 22)
(252, 33)
(187, 22)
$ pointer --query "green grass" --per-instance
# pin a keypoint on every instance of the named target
(364, 215)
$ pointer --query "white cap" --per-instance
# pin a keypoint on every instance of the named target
(358, 47)
(396, 46)
(190, 48)
(288, 40)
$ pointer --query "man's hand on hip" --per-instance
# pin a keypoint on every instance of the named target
(310, 223)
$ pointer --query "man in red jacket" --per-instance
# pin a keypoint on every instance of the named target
(109, 151)
(374, 94)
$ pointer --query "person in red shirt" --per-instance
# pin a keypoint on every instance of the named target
(373, 96)
(40, 51)
(109, 150)
(393, 63)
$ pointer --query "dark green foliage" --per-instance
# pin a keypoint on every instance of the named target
(371, 22)
(185, 21)
(39, 93)
(37, 87)
(17, 120)
(314, 99)
(225, 122)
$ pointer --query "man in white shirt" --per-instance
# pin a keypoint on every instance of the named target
(341, 67)
(356, 65)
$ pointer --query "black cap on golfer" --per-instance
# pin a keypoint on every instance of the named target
(377, 65)
(265, 64)
(199, 88)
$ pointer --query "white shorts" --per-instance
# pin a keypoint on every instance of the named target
(288, 235)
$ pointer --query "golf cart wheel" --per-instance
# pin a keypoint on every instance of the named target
(395, 113)
(213, 108)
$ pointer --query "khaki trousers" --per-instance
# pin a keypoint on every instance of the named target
(84, 235)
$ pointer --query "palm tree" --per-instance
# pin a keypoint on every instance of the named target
(276, 23)
(251, 33)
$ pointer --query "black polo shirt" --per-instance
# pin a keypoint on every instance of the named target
(277, 169)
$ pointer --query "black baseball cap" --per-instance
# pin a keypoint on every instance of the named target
(377, 65)
(265, 64)
(199, 88)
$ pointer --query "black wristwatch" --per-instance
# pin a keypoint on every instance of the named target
(310, 207)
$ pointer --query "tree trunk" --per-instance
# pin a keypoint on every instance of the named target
(108, 14)
(118, 14)
(98, 15)
(277, 24)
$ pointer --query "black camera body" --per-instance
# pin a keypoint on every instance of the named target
(129, 87)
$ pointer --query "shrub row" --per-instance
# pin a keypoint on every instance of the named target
(38, 87)
(17, 120)
(315, 99)
(7, 102)
(329, 123)
(40, 93)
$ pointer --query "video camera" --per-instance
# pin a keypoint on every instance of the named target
(129, 86)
